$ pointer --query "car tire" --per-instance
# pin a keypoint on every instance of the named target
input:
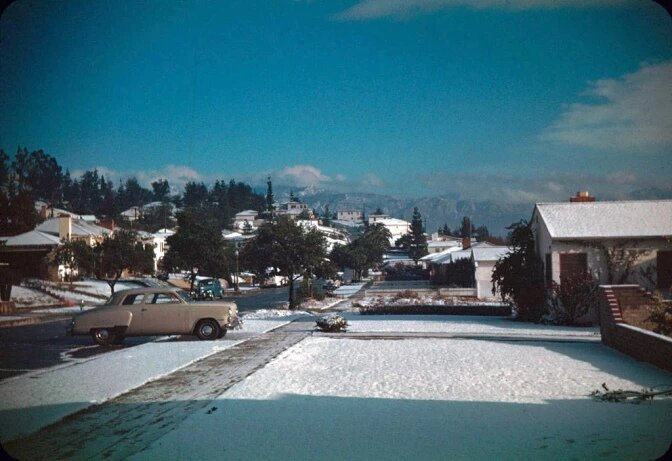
(118, 339)
(208, 330)
(222, 333)
(103, 336)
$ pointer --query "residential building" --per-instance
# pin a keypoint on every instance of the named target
(158, 239)
(350, 216)
(247, 221)
(616, 242)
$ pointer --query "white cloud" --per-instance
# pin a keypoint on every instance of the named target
(372, 9)
(372, 180)
(302, 175)
(176, 175)
(632, 113)
(548, 188)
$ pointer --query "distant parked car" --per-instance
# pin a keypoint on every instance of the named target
(154, 311)
(208, 289)
(275, 281)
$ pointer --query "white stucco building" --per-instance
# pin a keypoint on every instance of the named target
(588, 236)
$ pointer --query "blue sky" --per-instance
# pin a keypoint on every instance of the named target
(517, 101)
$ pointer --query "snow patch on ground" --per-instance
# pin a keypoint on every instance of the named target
(424, 299)
(430, 399)
(458, 324)
(265, 314)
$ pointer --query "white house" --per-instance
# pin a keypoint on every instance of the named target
(332, 236)
(617, 242)
(247, 221)
(397, 227)
(484, 257)
(160, 245)
(350, 216)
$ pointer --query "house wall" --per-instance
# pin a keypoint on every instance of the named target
(483, 275)
(597, 265)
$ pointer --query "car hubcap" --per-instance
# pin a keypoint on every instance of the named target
(103, 335)
(207, 330)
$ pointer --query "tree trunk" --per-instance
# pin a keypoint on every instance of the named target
(291, 293)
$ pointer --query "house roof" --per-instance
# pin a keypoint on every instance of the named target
(32, 238)
(247, 213)
(489, 252)
(626, 219)
(79, 228)
(443, 256)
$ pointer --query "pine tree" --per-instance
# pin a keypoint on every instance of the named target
(418, 243)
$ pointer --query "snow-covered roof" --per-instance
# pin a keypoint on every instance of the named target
(440, 256)
(32, 238)
(626, 219)
(489, 252)
(79, 228)
(247, 213)
(164, 233)
(460, 254)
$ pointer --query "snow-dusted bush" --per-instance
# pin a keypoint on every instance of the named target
(406, 294)
(332, 323)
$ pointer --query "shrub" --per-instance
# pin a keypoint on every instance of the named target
(660, 314)
(333, 323)
(572, 298)
(406, 294)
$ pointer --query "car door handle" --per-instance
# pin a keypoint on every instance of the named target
(143, 309)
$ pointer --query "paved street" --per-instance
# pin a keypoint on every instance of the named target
(42, 345)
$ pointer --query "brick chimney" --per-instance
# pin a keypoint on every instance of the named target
(65, 227)
(582, 197)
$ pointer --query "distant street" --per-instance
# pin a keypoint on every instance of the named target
(33, 347)
(266, 298)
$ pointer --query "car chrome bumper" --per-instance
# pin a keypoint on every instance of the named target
(236, 323)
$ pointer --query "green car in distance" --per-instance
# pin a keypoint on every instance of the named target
(208, 289)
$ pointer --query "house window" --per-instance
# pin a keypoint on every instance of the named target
(573, 265)
(664, 267)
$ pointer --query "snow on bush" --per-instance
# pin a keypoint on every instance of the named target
(332, 323)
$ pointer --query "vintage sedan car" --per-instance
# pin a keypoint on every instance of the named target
(154, 311)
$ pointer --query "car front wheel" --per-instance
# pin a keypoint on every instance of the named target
(208, 329)
(103, 336)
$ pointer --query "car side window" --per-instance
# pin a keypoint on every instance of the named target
(132, 299)
(164, 298)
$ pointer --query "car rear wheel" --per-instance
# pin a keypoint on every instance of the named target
(103, 336)
(208, 329)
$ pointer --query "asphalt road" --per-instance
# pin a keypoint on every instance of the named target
(33, 347)
(266, 298)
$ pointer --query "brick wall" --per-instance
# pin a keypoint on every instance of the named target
(621, 304)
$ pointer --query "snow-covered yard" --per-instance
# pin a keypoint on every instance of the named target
(464, 391)
(329, 398)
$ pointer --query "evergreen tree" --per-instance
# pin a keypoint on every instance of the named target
(466, 229)
(418, 241)
(4, 169)
(519, 276)
(269, 196)
(160, 190)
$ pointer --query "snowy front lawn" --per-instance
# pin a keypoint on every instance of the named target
(429, 399)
